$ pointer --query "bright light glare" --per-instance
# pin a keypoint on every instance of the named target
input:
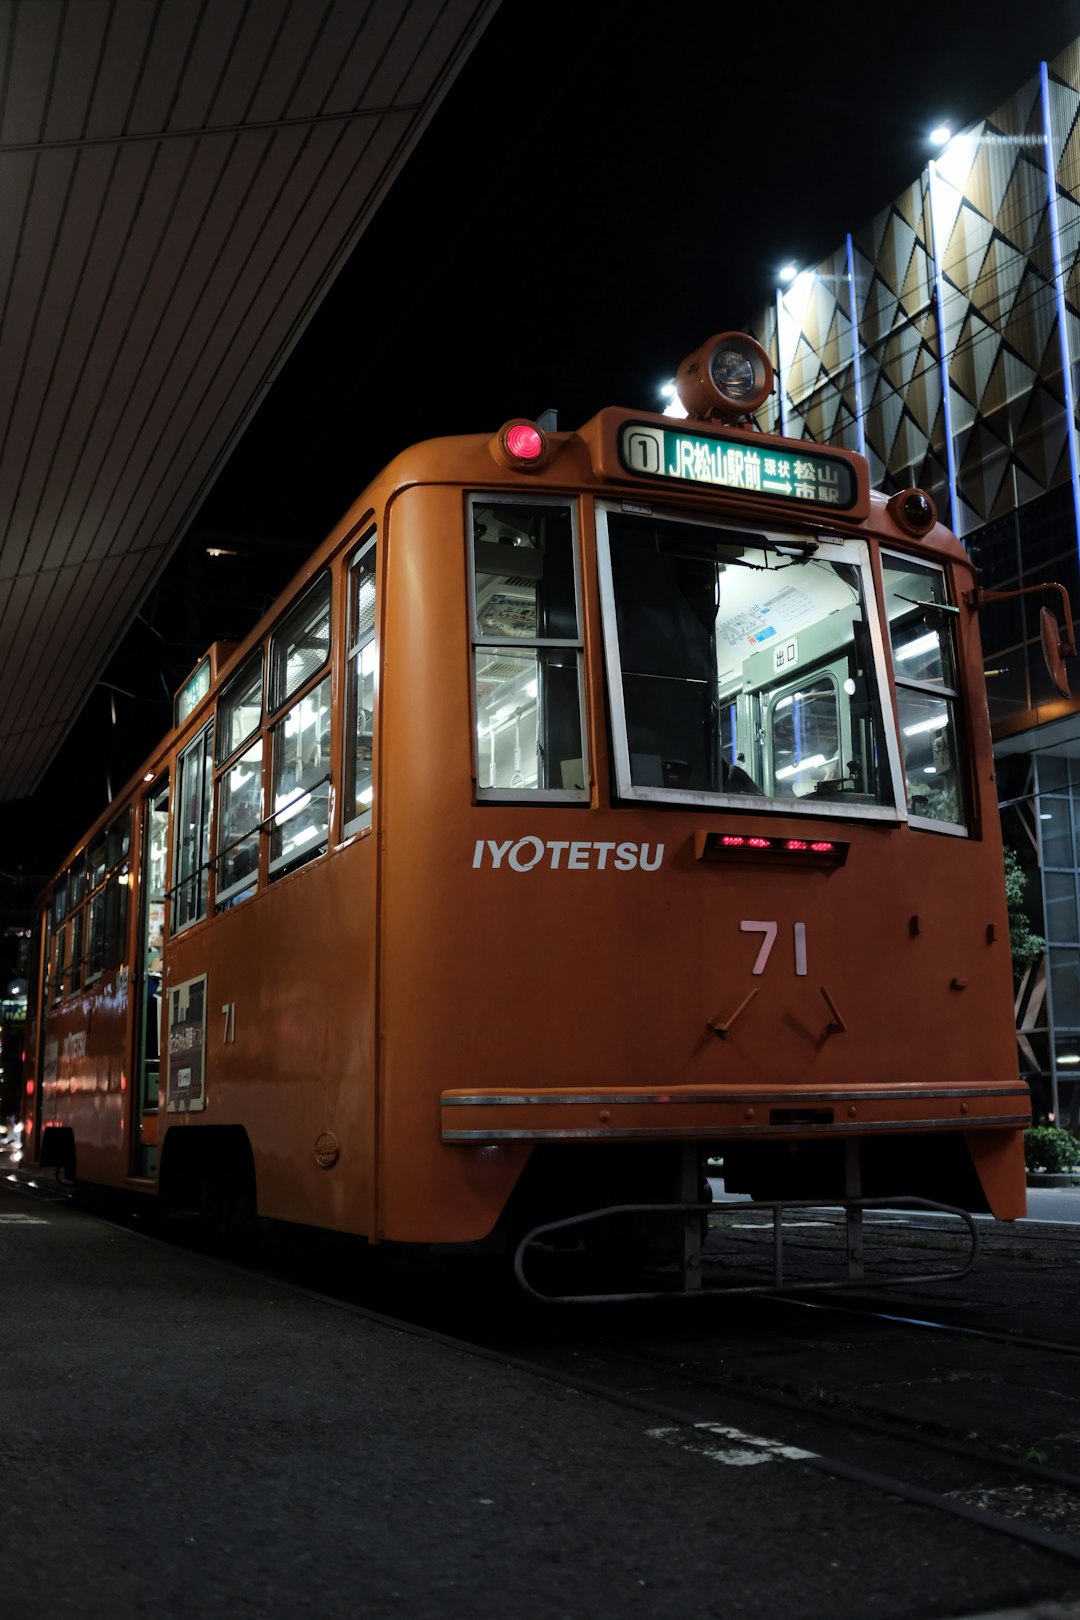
(935, 723)
(284, 810)
(788, 272)
(941, 135)
(668, 390)
(807, 764)
(915, 649)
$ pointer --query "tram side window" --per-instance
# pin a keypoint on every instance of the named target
(302, 781)
(96, 865)
(76, 914)
(359, 764)
(115, 924)
(57, 913)
(75, 953)
(96, 868)
(527, 650)
(191, 835)
(95, 948)
(239, 785)
(300, 739)
(301, 645)
(56, 966)
(77, 882)
(118, 841)
(920, 618)
(106, 925)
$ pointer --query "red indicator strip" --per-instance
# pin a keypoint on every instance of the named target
(714, 846)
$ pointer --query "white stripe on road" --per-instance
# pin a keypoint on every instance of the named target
(744, 1452)
(23, 1220)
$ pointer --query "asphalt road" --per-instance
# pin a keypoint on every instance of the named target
(183, 1438)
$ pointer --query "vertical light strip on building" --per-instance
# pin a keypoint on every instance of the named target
(780, 389)
(939, 300)
(856, 348)
(1059, 293)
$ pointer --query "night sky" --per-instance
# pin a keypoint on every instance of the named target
(605, 186)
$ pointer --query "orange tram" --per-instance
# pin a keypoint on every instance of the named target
(593, 805)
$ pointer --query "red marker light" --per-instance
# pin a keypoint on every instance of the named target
(29, 1088)
(730, 842)
(520, 445)
(822, 848)
(759, 843)
(525, 441)
(796, 843)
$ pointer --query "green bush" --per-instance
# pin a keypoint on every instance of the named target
(1048, 1147)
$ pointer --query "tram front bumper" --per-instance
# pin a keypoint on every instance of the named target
(706, 1112)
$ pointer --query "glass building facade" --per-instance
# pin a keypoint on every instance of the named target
(942, 341)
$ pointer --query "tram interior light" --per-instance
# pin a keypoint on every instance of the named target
(915, 649)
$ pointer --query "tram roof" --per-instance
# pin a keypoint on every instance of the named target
(181, 186)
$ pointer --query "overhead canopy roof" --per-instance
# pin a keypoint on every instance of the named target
(179, 185)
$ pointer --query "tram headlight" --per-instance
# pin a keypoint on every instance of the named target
(733, 373)
(913, 511)
(730, 376)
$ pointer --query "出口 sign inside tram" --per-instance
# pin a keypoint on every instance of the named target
(698, 458)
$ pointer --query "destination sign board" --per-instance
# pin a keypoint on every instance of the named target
(193, 691)
(696, 458)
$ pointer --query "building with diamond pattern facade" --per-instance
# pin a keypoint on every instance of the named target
(943, 342)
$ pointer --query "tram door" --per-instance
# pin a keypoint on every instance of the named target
(153, 859)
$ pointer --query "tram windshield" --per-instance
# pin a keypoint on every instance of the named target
(743, 664)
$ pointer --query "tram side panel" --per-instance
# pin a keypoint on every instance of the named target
(85, 1078)
(89, 1036)
(514, 974)
(290, 1037)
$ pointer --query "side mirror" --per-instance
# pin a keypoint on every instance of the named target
(1054, 650)
(1057, 645)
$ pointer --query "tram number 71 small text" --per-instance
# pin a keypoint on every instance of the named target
(769, 929)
